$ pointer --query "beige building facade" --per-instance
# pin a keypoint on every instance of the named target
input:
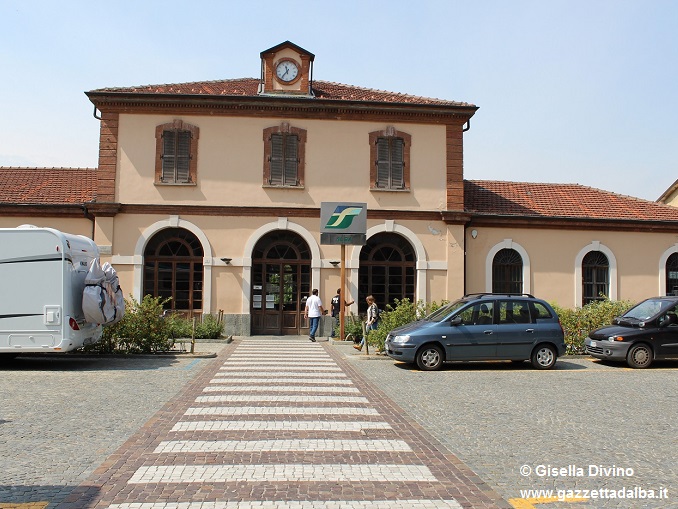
(209, 193)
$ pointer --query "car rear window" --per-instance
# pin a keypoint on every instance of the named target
(540, 311)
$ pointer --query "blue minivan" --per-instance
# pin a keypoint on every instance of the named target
(480, 327)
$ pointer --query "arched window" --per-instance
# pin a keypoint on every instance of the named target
(173, 269)
(595, 277)
(507, 272)
(387, 270)
(672, 275)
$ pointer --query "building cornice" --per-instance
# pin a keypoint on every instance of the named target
(265, 106)
(572, 223)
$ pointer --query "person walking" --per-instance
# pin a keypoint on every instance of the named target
(335, 304)
(313, 311)
(372, 321)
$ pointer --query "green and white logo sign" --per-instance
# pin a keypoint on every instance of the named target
(343, 223)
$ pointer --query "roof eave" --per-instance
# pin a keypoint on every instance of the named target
(101, 99)
(568, 222)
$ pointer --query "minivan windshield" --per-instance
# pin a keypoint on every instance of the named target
(647, 309)
(443, 312)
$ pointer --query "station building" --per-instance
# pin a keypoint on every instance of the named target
(210, 193)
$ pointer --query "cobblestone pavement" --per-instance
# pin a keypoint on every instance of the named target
(317, 424)
(499, 417)
(281, 423)
(62, 415)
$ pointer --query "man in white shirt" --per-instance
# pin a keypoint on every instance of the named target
(313, 311)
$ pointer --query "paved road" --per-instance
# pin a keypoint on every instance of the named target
(75, 432)
(273, 423)
(499, 417)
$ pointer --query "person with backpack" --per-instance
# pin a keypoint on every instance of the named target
(336, 310)
(372, 322)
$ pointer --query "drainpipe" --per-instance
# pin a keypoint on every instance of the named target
(468, 126)
(90, 217)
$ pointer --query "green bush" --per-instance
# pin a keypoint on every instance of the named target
(209, 327)
(577, 323)
(146, 328)
(353, 327)
(404, 312)
(141, 330)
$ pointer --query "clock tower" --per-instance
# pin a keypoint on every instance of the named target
(286, 69)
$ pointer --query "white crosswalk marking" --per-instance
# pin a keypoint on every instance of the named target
(279, 388)
(281, 363)
(284, 399)
(335, 426)
(254, 373)
(280, 410)
(289, 472)
(244, 366)
(310, 445)
(313, 381)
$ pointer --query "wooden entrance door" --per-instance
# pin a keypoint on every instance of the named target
(281, 282)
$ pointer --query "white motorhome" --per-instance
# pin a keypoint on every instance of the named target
(42, 273)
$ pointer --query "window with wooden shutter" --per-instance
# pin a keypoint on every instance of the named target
(390, 155)
(176, 153)
(284, 156)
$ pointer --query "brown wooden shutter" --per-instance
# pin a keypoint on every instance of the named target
(277, 162)
(183, 156)
(168, 156)
(397, 163)
(291, 160)
(383, 163)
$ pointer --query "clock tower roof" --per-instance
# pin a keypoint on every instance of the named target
(288, 45)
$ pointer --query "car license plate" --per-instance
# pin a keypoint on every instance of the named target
(594, 344)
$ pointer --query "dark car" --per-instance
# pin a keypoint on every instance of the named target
(646, 332)
(482, 327)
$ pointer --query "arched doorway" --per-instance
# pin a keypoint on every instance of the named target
(281, 282)
(387, 270)
(173, 269)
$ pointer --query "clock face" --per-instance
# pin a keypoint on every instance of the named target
(286, 71)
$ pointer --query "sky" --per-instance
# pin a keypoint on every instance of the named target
(576, 91)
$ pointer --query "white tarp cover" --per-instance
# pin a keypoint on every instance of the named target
(102, 299)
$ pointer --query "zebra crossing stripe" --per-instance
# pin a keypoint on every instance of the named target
(312, 380)
(280, 410)
(280, 363)
(278, 388)
(253, 369)
(291, 445)
(287, 472)
(335, 426)
(282, 398)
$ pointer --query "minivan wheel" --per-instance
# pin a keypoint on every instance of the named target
(544, 357)
(430, 358)
(639, 356)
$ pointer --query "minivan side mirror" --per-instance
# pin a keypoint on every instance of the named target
(455, 320)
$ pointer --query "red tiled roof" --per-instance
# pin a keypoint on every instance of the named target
(47, 185)
(325, 90)
(527, 199)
